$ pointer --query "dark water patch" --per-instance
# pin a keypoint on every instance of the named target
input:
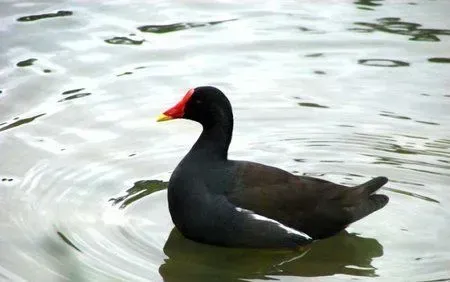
(74, 96)
(414, 137)
(382, 63)
(407, 162)
(45, 16)
(427, 122)
(411, 3)
(320, 141)
(345, 125)
(394, 25)
(428, 171)
(310, 30)
(178, 26)
(425, 94)
(415, 195)
(438, 144)
(394, 148)
(302, 28)
(319, 72)
(314, 55)
(392, 115)
(20, 122)
(312, 105)
(141, 67)
(7, 179)
(354, 175)
(365, 8)
(385, 160)
(139, 190)
(407, 182)
(378, 137)
(295, 139)
(367, 4)
(26, 63)
(439, 60)
(67, 241)
(331, 161)
(125, 73)
(318, 145)
(124, 41)
(300, 160)
(47, 71)
(72, 91)
(132, 155)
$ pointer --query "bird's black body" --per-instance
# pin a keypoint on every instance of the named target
(243, 204)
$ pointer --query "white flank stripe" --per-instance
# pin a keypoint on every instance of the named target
(263, 218)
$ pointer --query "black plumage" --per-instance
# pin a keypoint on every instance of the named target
(243, 204)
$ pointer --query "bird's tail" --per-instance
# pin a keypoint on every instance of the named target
(373, 185)
(370, 202)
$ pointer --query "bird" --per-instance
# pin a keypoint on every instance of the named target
(242, 204)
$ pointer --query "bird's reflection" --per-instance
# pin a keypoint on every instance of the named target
(342, 254)
(187, 260)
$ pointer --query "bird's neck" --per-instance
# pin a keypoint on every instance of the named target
(215, 139)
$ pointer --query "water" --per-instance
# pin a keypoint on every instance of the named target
(337, 89)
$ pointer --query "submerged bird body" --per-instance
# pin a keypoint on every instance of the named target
(244, 204)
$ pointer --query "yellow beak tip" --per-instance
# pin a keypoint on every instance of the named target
(163, 117)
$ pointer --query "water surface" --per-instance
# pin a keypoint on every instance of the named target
(340, 90)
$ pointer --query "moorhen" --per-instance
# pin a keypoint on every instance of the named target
(233, 203)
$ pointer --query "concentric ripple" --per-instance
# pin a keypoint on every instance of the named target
(80, 228)
(80, 235)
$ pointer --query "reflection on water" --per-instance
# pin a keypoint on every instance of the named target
(415, 195)
(313, 105)
(45, 16)
(397, 26)
(342, 254)
(122, 40)
(393, 115)
(178, 26)
(73, 94)
(19, 122)
(139, 190)
(439, 60)
(66, 240)
(26, 63)
(383, 63)
(368, 4)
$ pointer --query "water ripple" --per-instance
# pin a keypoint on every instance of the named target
(122, 40)
(45, 16)
(383, 63)
(19, 122)
(179, 26)
(83, 181)
(395, 25)
(26, 63)
(74, 94)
